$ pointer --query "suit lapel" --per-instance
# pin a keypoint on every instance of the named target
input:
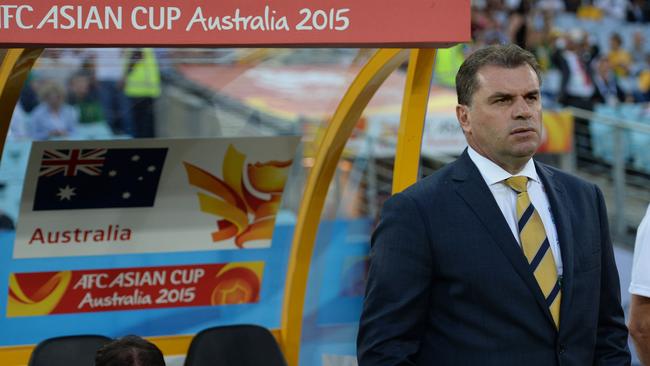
(475, 192)
(560, 208)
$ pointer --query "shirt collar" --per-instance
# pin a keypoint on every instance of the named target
(493, 174)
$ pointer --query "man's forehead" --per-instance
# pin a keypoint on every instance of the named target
(503, 79)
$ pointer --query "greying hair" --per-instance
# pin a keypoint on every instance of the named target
(508, 56)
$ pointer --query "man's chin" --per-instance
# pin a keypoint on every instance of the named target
(526, 153)
(527, 148)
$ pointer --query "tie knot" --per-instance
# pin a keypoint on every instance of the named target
(519, 183)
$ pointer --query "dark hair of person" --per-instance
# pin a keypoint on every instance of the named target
(130, 350)
(508, 56)
(617, 38)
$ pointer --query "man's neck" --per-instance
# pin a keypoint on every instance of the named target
(513, 167)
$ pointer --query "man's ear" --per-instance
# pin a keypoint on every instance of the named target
(462, 114)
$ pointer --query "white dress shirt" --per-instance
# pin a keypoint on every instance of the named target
(494, 176)
(640, 284)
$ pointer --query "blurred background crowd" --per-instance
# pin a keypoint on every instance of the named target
(596, 50)
(591, 52)
(589, 49)
(71, 87)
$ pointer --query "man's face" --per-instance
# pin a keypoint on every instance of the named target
(54, 99)
(503, 122)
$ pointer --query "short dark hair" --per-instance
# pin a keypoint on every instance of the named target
(129, 350)
(617, 37)
(508, 56)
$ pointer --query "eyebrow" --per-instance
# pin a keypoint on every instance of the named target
(499, 95)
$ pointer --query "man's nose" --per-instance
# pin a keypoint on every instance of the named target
(521, 109)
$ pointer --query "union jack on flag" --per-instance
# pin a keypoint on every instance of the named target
(77, 178)
(73, 161)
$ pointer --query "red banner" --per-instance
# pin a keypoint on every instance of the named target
(44, 293)
(376, 23)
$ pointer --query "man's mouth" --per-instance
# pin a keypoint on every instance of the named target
(521, 130)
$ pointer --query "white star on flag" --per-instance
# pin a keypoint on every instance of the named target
(66, 193)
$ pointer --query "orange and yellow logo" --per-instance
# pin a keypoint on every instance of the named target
(42, 301)
(237, 283)
(244, 213)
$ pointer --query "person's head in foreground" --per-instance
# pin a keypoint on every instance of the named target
(129, 350)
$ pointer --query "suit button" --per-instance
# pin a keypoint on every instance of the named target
(561, 349)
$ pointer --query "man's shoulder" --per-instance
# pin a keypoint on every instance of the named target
(433, 183)
(568, 180)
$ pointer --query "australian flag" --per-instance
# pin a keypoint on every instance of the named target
(71, 179)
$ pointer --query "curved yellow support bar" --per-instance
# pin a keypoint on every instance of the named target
(414, 110)
(15, 67)
(370, 78)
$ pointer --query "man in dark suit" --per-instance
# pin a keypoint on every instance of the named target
(495, 259)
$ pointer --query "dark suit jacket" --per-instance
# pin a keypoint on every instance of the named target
(449, 284)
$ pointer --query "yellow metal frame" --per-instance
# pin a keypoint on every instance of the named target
(18, 62)
(14, 70)
(370, 78)
(414, 110)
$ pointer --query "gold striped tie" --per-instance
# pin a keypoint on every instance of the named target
(536, 247)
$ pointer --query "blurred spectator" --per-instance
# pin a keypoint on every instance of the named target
(511, 4)
(590, 50)
(576, 86)
(28, 97)
(576, 83)
(572, 5)
(612, 8)
(638, 11)
(130, 350)
(448, 61)
(541, 40)
(519, 26)
(607, 89)
(486, 23)
(643, 82)
(83, 96)
(142, 86)
(18, 124)
(109, 72)
(619, 58)
(638, 50)
(52, 117)
(56, 64)
(551, 5)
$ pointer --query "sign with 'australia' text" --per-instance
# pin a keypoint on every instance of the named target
(423, 23)
(144, 196)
